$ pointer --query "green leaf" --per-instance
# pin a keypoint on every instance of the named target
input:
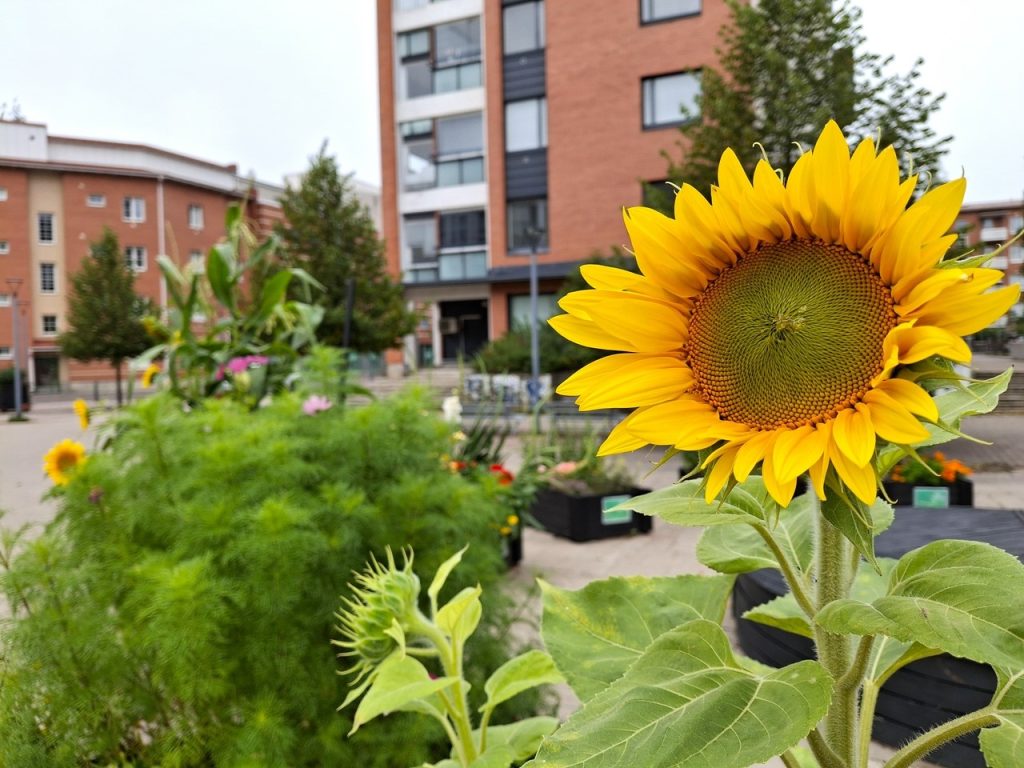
(684, 504)
(498, 757)
(441, 576)
(272, 294)
(595, 633)
(687, 702)
(400, 681)
(858, 522)
(968, 399)
(740, 550)
(217, 273)
(516, 675)
(961, 597)
(459, 617)
(523, 738)
(1003, 745)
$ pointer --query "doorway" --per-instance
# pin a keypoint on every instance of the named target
(463, 328)
(46, 367)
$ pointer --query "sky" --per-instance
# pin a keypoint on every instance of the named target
(263, 84)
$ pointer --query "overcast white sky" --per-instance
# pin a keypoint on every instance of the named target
(263, 83)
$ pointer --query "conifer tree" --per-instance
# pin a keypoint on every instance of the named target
(787, 67)
(104, 313)
(329, 233)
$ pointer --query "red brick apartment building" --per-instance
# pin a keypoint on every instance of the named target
(499, 115)
(56, 196)
(983, 227)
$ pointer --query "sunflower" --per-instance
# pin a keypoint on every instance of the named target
(62, 460)
(82, 411)
(774, 325)
(149, 374)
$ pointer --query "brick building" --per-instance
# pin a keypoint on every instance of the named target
(502, 115)
(983, 227)
(56, 196)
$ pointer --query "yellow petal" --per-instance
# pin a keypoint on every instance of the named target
(661, 253)
(589, 334)
(892, 421)
(649, 324)
(966, 314)
(752, 451)
(701, 230)
(819, 469)
(780, 489)
(637, 383)
(854, 434)
(666, 423)
(911, 397)
(861, 480)
(620, 439)
(796, 450)
(831, 169)
(607, 278)
(720, 472)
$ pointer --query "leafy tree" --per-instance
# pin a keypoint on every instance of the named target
(104, 312)
(788, 66)
(330, 234)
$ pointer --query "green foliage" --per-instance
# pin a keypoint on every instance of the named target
(329, 234)
(217, 317)
(178, 611)
(105, 314)
(788, 66)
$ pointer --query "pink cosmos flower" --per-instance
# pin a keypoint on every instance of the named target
(314, 404)
(564, 467)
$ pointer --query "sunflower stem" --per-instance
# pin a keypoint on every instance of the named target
(797, 584)
(833, 564)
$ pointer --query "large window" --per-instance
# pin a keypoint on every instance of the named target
(45, 222)
(519, 309)
(420, 235)
(527, 219)
(461, 134)
(419, 169)
(457, 78)
(659, 10)
(523, 27)
(47, 278)
(49, 325)
(445, 58)
(443, 154)
(412, 44)
(135, 258)
(134, 209)
(526, 125)
(666, 97)
(463, 229)
(195, 216)
(457, 41)
(463, 266)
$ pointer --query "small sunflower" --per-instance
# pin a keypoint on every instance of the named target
(772, 324)
(149, 374)
(82, 411)
(62, 460)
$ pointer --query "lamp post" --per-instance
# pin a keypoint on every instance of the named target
(533, 236)
(15, 284)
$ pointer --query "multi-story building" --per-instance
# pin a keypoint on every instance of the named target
(983, 227)
(508, 125)
(56, 196)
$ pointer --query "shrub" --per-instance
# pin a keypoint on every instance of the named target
(178, 611)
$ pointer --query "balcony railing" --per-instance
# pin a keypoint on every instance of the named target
(428, 173)
(469, 265)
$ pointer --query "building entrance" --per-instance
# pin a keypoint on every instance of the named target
(463, 328)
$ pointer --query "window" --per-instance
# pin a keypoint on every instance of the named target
(96, 201)
(45, 227)
(463, 229)
(457, 78)
(5, 299)
(419, 170)
(420, 235)
(523, 27)
(988, 222)
(462, 266)
(5, 247)
(3, 194)
(526, 125)
(417, 128)
(457, 41)
(524, 216)
(1016, 254)
(5, 353)
(466, 171)
(196, 262)
(667, 96)
(460, 135)
(659, 10)
(47, 278)
(519, 309)
(408, 5)
(1016, 223)
(418, 78)
(134, 209)
(135, 258)
(49, 325)
(412, 44)
(195, 216)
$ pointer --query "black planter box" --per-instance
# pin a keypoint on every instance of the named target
(512, 550)
(7, 395)
(584, 518)
(959, 493)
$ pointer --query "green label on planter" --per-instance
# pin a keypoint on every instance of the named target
(930, 496)
(610, 516)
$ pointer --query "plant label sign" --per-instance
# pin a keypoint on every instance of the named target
(930, 496)
(612, 516)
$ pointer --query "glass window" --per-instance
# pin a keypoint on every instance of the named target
(457, 78)
(5, 247)
(422, 275)
(134, 209)
(420, 235)
(47, 278)
(420, 170)
(523, 27)
(1016, 223)
(135, 258)
(667, 96)
(196, 262)
(5, 353)
(408, 5)
(457, 41)
(466, 171)
(96, 201)
(49, 325)
(460, 135)
(417, 128)
(414, 43)
(463, 266)
(524, 216)
(195, 216)
(45, 227)
(417, 78)
(526, 125)
(5, 299)
(656, 10)
(519, 309)
(462, 229)
(3, 194)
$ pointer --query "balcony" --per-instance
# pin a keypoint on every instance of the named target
(416, 14)
(994, 234)
(432, 171)
(449, 267)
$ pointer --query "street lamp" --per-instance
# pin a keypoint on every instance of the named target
(533, 237)
(15, 284)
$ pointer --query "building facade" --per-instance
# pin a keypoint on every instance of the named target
(984, 227)
(509, 125)
(56, 196)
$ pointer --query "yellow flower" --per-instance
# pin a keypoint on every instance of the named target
(82, 411)
(512, 520)
(505, 530)
(149, 374)
(62, 460)
(773, 323)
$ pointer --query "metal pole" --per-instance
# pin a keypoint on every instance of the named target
(15, 283)
(534, 389)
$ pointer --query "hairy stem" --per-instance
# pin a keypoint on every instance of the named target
(824, 754)
(868, 700)
(795, 580)
(940, 734)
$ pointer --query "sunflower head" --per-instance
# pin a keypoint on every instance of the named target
(383, 605)
(779, 323)
(61, 461)
(149, 374)
(82, 411)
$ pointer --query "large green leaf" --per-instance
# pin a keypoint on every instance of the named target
(499, 756)
(458, 618)
(523, 738)
(961, 597)
(684, 504)
(740, 550)
(218, 274)
(688, 703)
(516, 675)
(400, 681)
(595, 633)
(967, 399)
(1003, 745)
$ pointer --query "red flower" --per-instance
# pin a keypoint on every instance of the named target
(504, 476)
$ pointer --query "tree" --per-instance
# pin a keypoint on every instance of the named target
(788, 66)
(104, 312)
(329, 233)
